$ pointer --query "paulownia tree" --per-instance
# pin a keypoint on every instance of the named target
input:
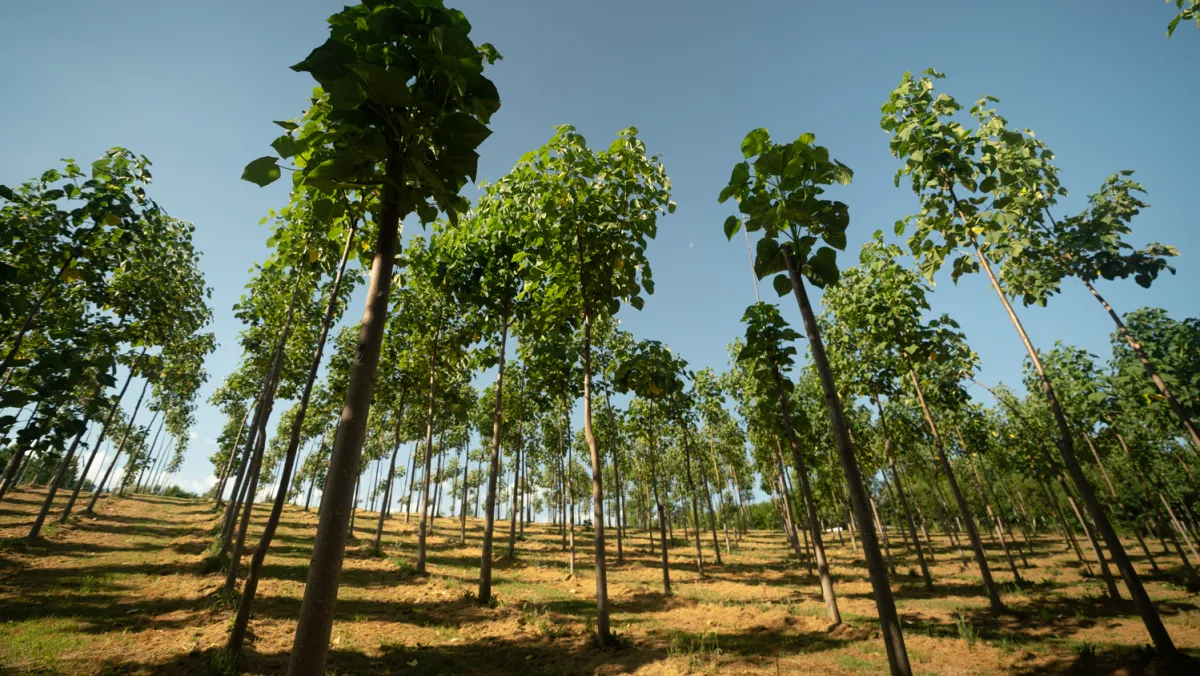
(1007, 185)
(780, 188)
(409, 104)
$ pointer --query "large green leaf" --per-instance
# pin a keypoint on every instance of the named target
(388, 86)
(263, 171)
(755, 142)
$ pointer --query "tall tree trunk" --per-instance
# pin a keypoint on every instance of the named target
(908, 517)
(248, 473)
(489, 510)
(100, 439)
(311, 645)
(412, 477)
(687, 461)
(516, 491)
(964, 511)
(810, 504)
(219, 492)
(712, 517)
(1154, 626)
(387, 496)
(422, 506)
(720, 485)
(91, 505)
(149, 456)
(57, 481)
(239, 542)
(662, 525)
(462, 514)
(240, 481)
(602, 632)
(885, 603)
(879, 529)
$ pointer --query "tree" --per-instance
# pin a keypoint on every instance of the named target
(780, 192)
(1008, 185)
(409, 105)
(600, 208)
(768, 358)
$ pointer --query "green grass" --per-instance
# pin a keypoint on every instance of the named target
(37, 644)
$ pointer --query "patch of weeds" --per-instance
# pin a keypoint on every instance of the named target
(1085, 651)
(539, 620)
(221, 663)
(855, 664)
(699, 651)
(966, 630)
(213, 561)
(225, 600)
(451, 582)
(404, 568)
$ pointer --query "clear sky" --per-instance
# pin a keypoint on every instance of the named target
(195, 86)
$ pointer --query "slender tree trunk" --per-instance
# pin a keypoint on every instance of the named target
(462, 515)
(220, 490)
(602, 633)
(311, 645)
(117, 453)
(387, 496)
(489, 510)
(1154, 626)
(57, 481)
(239, 542)
(423, 505)
(412, 477)
(964, 511)
(810, 504)
(687, 460)
(149, 455)
(887, 548)
(885, 603)
(240, 481)
(662, 526)
(712, 517)
(912, 526)
(516, 508)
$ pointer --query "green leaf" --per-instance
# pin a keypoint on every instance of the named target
(732, 225)
(822, 268)
(988, 184)
(388, 86)
(782, 284)
(284, 145)
(466, 128)
(262, 172)
(346, 93)
(756, 142)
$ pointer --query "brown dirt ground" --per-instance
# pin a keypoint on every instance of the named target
(126, 592)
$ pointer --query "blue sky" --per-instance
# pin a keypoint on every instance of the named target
(195, 86)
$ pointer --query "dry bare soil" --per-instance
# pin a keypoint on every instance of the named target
(128, 592)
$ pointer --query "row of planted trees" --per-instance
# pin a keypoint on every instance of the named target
(876, 432)
(95, 279)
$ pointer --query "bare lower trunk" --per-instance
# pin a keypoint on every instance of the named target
(310, 647)
(1154, 626)
(423, 505)
(489, 510)
(885, 603)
